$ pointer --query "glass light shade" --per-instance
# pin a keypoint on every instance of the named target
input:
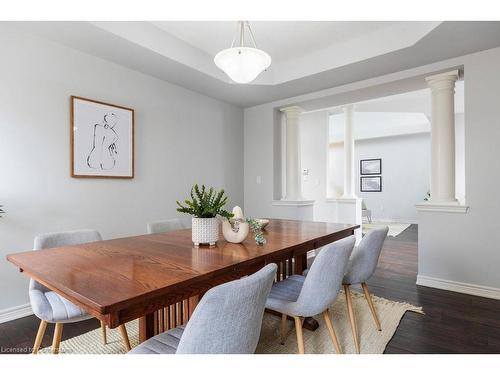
(242, 64)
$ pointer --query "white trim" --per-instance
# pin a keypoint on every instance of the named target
(15, 312)
(442, 207)
(296, 203)
(343, 200)
(455, 286)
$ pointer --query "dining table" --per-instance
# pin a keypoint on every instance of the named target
(159, 278)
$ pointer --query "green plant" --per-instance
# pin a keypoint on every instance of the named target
(257, 230)
(205, 203)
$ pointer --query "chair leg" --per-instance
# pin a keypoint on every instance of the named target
(56, 341)
(300, 337)
(372, 306)
(123, 332)
(103, 332)
(39, 336)
(329, 325)
(283, 329)
(352, 319)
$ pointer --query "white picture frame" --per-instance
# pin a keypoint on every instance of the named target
(102, 139)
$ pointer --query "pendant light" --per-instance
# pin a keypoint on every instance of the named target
(242, 64)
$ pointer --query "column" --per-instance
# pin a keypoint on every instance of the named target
(293, 177)
(442, 185)
(293, 205)
(349, 171)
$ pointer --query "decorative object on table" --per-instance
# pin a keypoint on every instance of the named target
(102, 139)
(371, 184)
(370, 166)
(257, 230)
(428, 196)
(236, 229)
(1, 210)
(263, 223)
(204, 206)
(242, 64)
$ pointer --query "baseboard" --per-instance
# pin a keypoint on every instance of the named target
(15, 312)
(455, 286)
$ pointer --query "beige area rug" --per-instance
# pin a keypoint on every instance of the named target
(394, 228)
(318, 342)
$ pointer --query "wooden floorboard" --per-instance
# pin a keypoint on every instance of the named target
(453, 322)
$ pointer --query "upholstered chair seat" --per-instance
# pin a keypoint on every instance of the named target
(227, 320)
(303, 296)
(361, 267)
(163, 226)
(49, 306)
(164, 343)
(53, 308)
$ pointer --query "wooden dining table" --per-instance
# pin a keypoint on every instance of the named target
(158, 278)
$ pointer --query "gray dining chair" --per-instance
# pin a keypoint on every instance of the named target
(227, 320)
(302, 296)
(361, 267)
(162, 226)
(49, 306)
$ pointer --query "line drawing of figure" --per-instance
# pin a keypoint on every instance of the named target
(104, 150)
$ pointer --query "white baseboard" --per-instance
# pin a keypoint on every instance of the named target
(455, 286)
(15, 312)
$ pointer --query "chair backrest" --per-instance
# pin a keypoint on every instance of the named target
(57, 239)
(228, 318)
(163, 226)
(364, 259)
(324, 279)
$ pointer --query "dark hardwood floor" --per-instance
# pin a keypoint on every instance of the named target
(453, 322)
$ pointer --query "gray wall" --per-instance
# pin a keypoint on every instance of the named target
(181, 137)
(405, 174)
(460, 248)
(465, 248)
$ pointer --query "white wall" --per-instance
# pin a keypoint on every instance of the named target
(314, 158)
(181, 137)
(464, 248)
(405, 174)
(461, 248)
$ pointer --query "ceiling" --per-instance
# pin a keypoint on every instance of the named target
(307, 56)
(282, 40)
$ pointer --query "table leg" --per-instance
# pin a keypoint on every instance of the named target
(146, 327)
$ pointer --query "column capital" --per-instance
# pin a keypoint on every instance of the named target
(443, 80)
(293, 110)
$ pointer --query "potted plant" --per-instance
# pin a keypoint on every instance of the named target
(1, 211)
(205, 205)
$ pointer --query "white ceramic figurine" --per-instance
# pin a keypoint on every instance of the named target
(236, 230)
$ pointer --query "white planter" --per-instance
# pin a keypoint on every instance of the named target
(205, 231)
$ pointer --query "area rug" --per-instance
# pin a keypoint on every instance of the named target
(394, 228)
(318, 342)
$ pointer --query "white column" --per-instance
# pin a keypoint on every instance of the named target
(349, 171)
(443, 137)
(293, 188)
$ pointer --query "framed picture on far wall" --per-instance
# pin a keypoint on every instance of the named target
(102, 139)
(371, 184)
(370, 166)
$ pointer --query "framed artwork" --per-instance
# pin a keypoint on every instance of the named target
(370, 166)
(102, 139)
(371, 184)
